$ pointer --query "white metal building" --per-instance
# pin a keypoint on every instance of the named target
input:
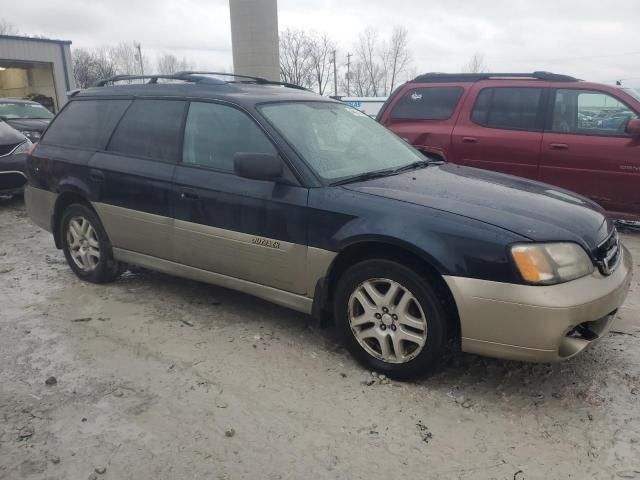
(36, 67)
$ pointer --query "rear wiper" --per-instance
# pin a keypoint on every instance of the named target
(365, 176)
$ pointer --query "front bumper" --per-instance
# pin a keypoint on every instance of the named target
(538, 323)
(12, 176)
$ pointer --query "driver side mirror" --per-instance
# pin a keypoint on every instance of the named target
(258, 166)
(633, 127)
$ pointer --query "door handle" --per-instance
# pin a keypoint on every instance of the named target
(96, 175)
(469, 140)
(559, 146)
(187, 195)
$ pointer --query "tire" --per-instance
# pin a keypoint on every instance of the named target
(408, 338)
(86, 245)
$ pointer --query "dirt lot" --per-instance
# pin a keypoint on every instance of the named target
(158, 377)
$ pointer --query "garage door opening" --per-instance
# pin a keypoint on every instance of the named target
(29, 80)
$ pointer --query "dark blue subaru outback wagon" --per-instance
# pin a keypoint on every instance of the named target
(304, 201)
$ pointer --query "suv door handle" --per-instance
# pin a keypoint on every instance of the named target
(469, 140)
(559, 146)
(96, 175)
(188, 195)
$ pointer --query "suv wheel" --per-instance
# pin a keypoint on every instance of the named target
(390, 318)
(86, 245)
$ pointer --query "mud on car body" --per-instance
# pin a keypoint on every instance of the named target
(306, 202)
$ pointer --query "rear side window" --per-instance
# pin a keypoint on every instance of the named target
(511, 108)
(215, 133)
(86, 123)
(432, 103)
(151, 129)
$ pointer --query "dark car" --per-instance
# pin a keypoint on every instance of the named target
(577, 135)
(307, 202)
(13, 148)
(29, 118)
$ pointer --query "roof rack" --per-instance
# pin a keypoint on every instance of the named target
(197, 77)
(434, 77)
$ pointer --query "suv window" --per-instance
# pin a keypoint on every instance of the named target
(588, 112)
(215, 133)
(86, 123)
(151, 129)
(511, 108)
(433, 103)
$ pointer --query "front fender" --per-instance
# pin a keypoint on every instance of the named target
(452, 244)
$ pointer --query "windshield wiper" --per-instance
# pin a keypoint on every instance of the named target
(364, 176)
(414, 166)
(385, 173)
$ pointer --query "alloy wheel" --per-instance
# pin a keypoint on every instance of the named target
(387, 320)
(84, 246)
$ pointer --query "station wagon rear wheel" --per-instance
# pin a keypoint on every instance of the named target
(390, 318)
(86, 245)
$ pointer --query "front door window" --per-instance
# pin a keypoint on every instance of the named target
(588, 112)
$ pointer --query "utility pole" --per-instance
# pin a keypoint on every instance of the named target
(349, 74)
(335, 75)
(139, 48)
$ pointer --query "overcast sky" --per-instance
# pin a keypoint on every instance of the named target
(594, 40)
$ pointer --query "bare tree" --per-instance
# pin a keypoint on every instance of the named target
(83, 68)
(368, 55)
(320, 57)
(397, 57)
(91, 65)
(7, 28)
(168, 64)
(476, 64)
(295, 60)
(126, 59)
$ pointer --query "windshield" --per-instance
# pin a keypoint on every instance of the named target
(634, 92)
(10, 110)
(338, 141)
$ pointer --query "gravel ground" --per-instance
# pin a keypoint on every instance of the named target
(159, 377)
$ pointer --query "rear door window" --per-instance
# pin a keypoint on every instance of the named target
(86, 123)
(588, 112)
(429, 103)
(510, 108)
(151, 129)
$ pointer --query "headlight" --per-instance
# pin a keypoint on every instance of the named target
(23, 147)
(551, 263)
(32, 135)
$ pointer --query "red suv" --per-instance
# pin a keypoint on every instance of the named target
(554, 128)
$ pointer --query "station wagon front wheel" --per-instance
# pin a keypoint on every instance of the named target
(86, 245)
(390, 318)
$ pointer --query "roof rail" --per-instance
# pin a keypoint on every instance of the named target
(247, 78)
(196, 76)
(120, 78)
(474, 77)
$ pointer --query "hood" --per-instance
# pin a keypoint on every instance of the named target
(531, 209)
(9, 135)
(35, 124)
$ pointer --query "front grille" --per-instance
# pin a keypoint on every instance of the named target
(7, 149)
(609, 253)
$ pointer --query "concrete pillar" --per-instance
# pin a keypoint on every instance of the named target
(254, 38)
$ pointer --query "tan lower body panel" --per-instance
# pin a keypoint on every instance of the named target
(40, 206)
(285, 266)
(137, 231)
(531, 323)
(300, 303)
(265, 261)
